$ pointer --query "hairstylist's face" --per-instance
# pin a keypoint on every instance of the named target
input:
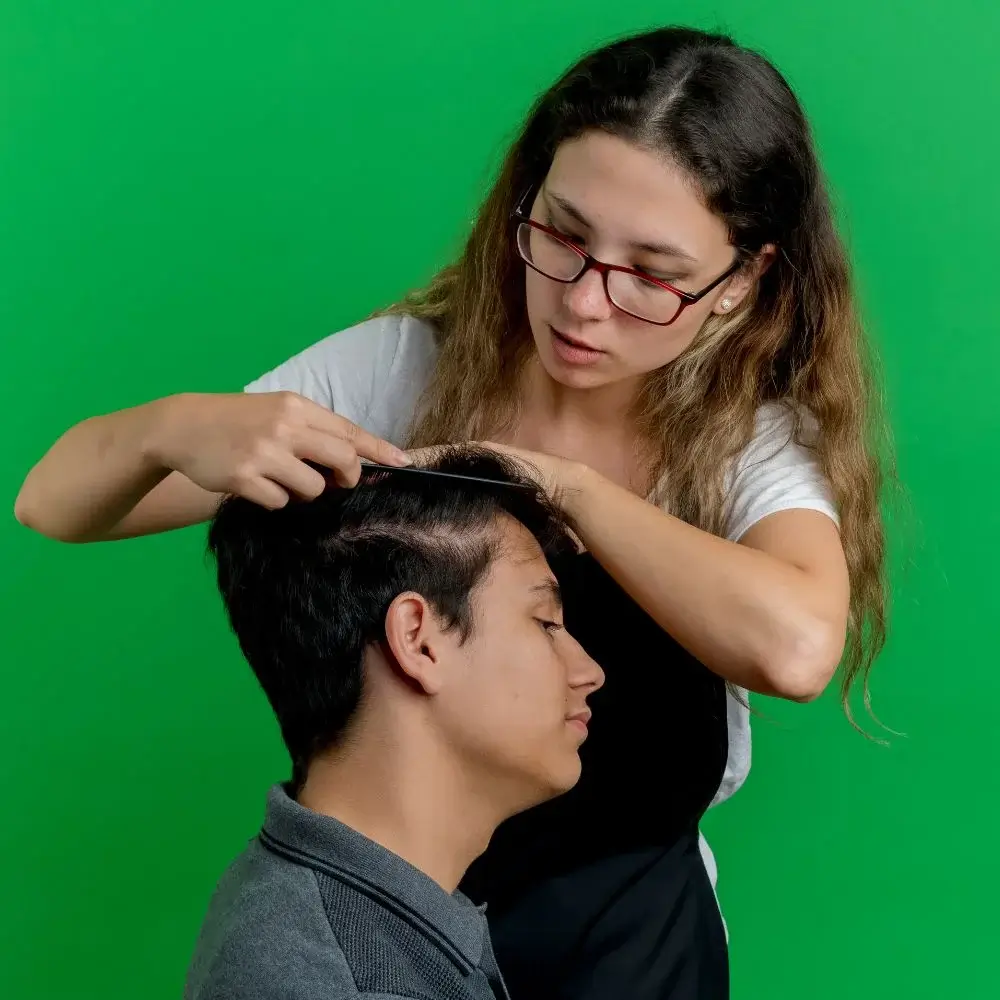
(623, 205)
(514, 707)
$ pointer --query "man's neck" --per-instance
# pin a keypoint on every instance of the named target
(411, 800)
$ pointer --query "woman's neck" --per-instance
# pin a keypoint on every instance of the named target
(603, 410)
(593, 426)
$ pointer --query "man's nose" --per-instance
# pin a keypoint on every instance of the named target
(585, 671)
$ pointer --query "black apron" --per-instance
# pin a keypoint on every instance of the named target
(601, 894)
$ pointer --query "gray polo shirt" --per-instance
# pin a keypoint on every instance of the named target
(313, 910)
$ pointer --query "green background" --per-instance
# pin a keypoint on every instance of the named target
(190, 192)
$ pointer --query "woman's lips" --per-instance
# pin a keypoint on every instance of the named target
(573, 351)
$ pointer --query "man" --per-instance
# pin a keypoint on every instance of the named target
(408, 635)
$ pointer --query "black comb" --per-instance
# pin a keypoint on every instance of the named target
(415, 471)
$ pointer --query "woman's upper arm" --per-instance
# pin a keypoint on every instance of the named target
(174, 503)
(781, 503)
(810, 541)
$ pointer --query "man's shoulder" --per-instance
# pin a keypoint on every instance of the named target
(266, 925)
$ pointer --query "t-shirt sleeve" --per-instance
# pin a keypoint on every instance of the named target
(776, 472)
(372, 374)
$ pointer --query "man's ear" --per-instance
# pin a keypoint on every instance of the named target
(736, 289)
(416, 640)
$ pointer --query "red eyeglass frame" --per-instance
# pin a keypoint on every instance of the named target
(519, 217)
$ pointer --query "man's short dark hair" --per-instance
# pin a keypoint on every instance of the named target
(307, 587)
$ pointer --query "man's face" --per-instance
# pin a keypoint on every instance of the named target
(514, 701)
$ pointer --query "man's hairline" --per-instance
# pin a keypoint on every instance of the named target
(500, 546)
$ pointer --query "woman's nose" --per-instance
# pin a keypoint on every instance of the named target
(586, 297)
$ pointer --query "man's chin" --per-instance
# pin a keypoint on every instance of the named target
(566, 778)
(561, 776)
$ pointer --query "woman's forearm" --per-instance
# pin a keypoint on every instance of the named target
(755, 619)
(93, 476)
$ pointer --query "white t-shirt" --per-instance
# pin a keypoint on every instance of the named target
(373, 374)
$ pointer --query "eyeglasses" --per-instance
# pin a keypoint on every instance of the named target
(555, 256)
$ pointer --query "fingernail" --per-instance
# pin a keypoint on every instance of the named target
(403, 458)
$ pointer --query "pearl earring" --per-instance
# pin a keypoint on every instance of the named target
(726, 304)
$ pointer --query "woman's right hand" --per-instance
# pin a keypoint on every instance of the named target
(256, 445)
(166, 464)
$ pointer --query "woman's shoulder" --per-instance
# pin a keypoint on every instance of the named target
(377, 346)
(780, 422)
(779, 469)
(372, 373)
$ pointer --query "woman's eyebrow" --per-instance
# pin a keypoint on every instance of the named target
(664, 249)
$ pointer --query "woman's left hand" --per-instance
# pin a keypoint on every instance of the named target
(559, 477)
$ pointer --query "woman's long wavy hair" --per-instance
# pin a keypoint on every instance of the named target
(729, 119)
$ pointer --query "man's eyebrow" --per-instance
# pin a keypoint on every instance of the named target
(549, 589)
(664, 249)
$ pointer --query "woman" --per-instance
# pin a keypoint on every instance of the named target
(654, 312)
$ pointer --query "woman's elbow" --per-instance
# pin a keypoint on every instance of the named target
(30, 514)
(23, 509)
(805, 664)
